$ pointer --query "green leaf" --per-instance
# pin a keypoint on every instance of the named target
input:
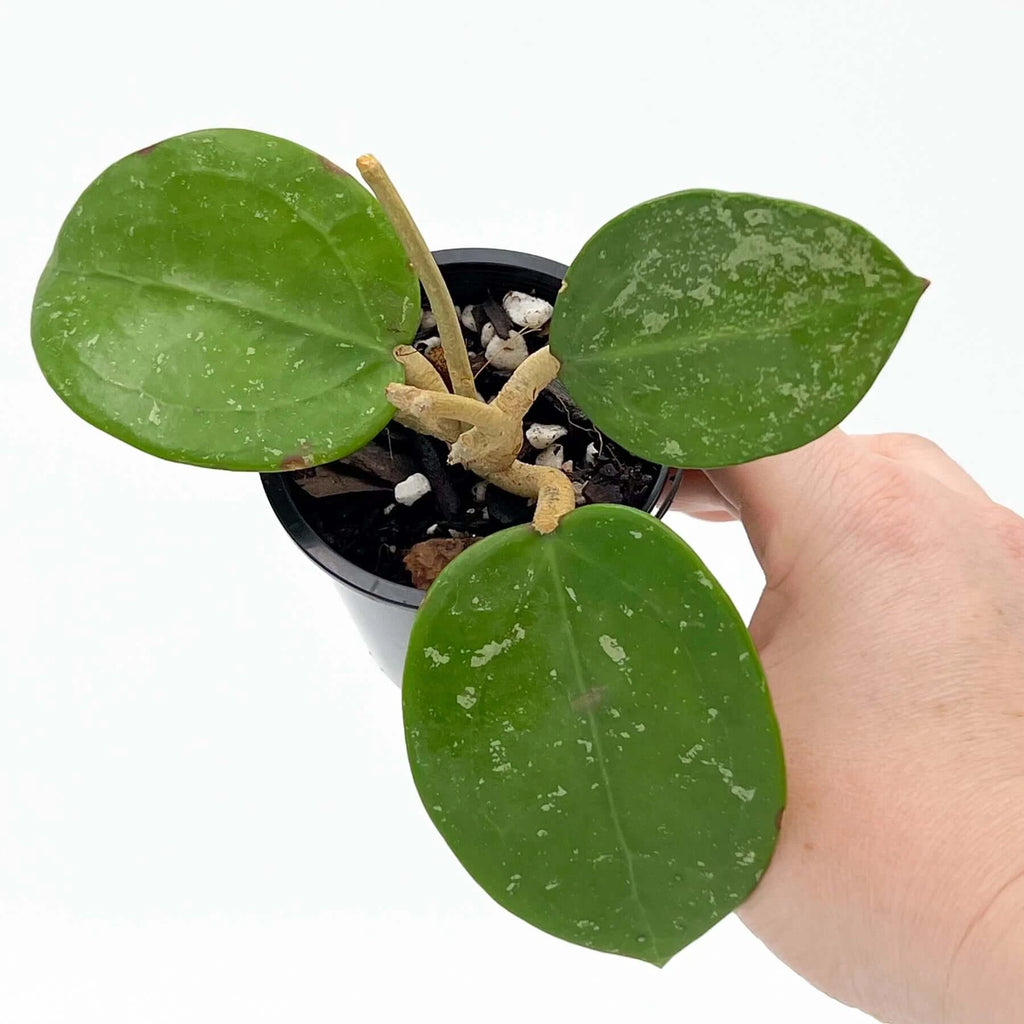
(228, 299)
(589, 728)
(708, 328)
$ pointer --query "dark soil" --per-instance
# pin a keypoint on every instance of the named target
(351, 503)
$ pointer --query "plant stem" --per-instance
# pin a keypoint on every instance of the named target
(551, 487)
(421, 375)
(420, 372)
(416, 248)
(490, 447)
(445, 406)
(528, 380)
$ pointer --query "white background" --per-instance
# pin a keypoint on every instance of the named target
(205, 814)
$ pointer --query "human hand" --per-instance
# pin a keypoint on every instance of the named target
(891, 630)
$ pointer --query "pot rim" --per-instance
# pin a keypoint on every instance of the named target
(316, 548)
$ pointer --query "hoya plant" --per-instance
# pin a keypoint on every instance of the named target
(586, 718)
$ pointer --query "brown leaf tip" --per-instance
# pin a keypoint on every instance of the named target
(331, 166)
(146, 150)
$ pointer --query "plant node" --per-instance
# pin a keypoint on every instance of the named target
(495, 435)
(492, 445)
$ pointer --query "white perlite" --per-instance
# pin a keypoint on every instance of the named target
(428, 343)
(540, 435)
(590, 456)
(508, 353)
(428, 321)
(552, 456)
(487, 334)
(480, 491)
(411, 489)
(527, 310)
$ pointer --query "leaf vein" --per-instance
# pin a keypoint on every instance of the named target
(328, 330)
(599, 752)
(694, 340)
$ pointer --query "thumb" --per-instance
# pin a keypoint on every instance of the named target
(783, 499)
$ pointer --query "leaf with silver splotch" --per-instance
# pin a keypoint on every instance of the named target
(589, 728)
(228, 299)
(708, 328)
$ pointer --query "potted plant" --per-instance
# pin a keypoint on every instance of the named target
(318, 506)
(587, 721)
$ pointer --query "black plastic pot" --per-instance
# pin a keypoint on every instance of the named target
(384, 611)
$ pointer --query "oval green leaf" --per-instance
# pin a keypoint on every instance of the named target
(589, 728)
(228, 299)
(707, 328)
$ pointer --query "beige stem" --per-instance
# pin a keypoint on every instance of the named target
(444, 405)
(416, 248)
(551, 487)
(420, 372)
(493, 447)
(415, 410)
(488, 449)
(528, 380)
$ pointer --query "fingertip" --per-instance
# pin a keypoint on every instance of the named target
(783, 498)
(698, 497)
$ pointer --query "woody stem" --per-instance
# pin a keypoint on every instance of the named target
(422, 259)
